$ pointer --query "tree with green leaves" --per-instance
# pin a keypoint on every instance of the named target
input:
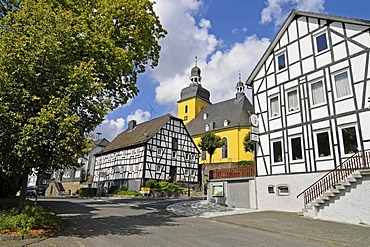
(209, 142)
(248, 143)
(64, 64)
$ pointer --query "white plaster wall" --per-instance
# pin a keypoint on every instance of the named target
(350, 206)
(297, 183)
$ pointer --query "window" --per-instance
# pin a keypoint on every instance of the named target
(158, 168)
(271, 189)
(224, 148)
(207, 127)
(175, 143)
(226, 123)
(274, 106)
(205, 116)
(292, 100)
(187, 156)
(186, 172)
(342, 87)
(281, 61)
(321, 42)
(193, 173)
(174, 154)
(349, 138)
(204, 155)
(186, 109)
(277, 152)
(283, 190)
(296, 146)
(323, 144)
(159, 152)
(317, 93)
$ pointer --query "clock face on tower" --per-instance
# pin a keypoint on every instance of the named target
(254, 120)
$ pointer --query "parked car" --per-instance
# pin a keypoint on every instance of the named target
(31, 191)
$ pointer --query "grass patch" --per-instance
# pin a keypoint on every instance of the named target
(32, 218)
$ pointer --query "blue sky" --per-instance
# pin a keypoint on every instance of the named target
(227, 36)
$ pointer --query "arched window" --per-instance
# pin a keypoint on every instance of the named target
(186, 109)
(224, 148)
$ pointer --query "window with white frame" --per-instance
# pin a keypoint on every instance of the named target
(274, 106)
(281, 61)
(317, 93)
(349, 138)
(323, 144)
(187, 156)
(159, 152)
(321, 42)
(342, 85)
(277, 151)
(224, 148)
(174, 154)
(293, 100)
(296, 148)
(186, 172)
(283, 190)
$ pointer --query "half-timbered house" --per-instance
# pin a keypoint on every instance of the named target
(311, 95)
(159, 149)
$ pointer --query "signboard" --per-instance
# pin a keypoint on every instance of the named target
(218, 189)
(254, 137)
(254, 120)
(254, 130)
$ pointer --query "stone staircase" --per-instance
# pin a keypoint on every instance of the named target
(331, 194)
(330, 186)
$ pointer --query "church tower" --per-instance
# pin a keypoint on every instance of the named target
(193, 98)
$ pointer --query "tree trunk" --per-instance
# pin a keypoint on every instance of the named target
(210, 158)
(22, 197)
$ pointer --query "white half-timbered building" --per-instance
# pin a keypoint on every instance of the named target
(159, 149)
(311, 95)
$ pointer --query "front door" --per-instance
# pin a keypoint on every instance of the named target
(172, 174)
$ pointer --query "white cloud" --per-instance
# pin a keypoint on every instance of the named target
(139, 116)
(185, 39)
(276, 11)
(109, 129)
(220, 74)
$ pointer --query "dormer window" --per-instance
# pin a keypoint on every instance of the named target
(226, 123)
(207, 127)
(205, 116)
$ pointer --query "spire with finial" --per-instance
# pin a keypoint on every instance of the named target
(239, 87)
(195, 73)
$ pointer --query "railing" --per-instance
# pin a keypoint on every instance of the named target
(235, 172)
(357, 161)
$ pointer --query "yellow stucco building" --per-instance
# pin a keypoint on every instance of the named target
(228, 119)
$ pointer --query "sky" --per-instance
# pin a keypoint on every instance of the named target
(228, 37)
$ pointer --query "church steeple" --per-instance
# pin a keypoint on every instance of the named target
(239, 87)
(195, 77)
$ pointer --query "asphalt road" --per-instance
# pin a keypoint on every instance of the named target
(145, 222)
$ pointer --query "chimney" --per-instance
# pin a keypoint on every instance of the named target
(131, 125)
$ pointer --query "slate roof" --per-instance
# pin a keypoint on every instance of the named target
(234, 110)
(195, 90)
(292, 16)
(136, 136)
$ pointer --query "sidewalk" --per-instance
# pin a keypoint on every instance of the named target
(285, 223)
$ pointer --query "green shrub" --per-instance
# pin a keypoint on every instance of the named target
(151, 183)
(88, 192)
(120, 189)
(128, 193)
(31, 218)
(245, 163)
(112, 189)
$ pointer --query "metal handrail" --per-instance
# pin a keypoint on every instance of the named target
(357, 161)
